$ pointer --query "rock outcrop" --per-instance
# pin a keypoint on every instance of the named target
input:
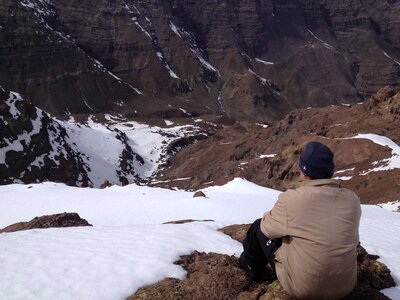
(35, 147)
(268, 155)
(199, 194)
(217, 276)
(245, 59)
(50, 221)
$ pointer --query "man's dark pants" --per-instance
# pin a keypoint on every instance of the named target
(259, 250)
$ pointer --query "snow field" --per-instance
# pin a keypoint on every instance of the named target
(237, 202)
(128, 247)
(99, 262)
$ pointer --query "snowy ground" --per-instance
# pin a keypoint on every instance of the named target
(100, 144)
(128, 247)
(390, 163)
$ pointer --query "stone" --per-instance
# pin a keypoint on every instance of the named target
(50, 221)
(199, 194)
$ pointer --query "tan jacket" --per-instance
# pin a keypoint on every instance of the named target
(319, 225)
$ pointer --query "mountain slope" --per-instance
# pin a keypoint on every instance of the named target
(268, 155)
(35, 147)
(245, 59)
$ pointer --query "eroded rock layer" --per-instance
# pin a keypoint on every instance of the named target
(255, 59)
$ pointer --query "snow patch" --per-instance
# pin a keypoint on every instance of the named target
(23, 139)
(166, 65)
(119, 103)
(267, 63)
(393, 206)
(88, 106)
(261, 156)
(344, 178)
(351, 170)
(171, 180)
(262, 80)
(43, 9)
(203, 62)
(390, 163)
(199, 53)
(185, 111)
(174, 28)
(11, 102)
(100, 66)
(134, 19)
(325, 44)
(221, 101)
(391, 58)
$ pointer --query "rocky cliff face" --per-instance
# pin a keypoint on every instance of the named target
(255, 59)
(35, 147)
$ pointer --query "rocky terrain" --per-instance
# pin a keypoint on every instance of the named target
(245, 59)
(51, 221)
(250, 75)
(42, 150)
(268, 155)
(190, 94)
(36, 147)
(217, 276)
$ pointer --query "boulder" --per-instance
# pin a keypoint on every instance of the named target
(50, 221)
(199, 194)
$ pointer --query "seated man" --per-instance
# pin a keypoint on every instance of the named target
(315, 231)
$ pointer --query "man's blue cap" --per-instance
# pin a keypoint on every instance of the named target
(316, 161)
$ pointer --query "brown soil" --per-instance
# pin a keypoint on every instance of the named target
(236, 150)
